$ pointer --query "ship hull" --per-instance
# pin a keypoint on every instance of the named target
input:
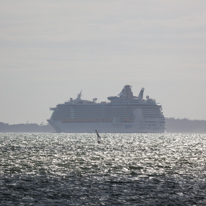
(61, 127)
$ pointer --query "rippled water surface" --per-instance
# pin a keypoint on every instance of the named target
(127, 169)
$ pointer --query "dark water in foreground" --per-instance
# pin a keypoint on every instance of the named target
(128, 169)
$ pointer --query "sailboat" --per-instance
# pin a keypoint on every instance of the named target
(98, 137)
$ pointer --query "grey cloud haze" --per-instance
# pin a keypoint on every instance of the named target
(50, 50)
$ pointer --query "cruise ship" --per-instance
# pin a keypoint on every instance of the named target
(124, 113)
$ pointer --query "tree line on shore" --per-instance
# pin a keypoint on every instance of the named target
(172, 125)
(185, 126)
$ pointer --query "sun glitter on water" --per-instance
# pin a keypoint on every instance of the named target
(127, 168)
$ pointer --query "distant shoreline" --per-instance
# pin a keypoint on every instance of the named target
(172, 126)
(30, 127)
(185, 126)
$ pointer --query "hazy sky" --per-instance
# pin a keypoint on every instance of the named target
(52, 49)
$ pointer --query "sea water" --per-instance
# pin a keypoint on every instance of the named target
(126, 169)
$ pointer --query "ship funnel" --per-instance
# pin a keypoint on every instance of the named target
(140, 96)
